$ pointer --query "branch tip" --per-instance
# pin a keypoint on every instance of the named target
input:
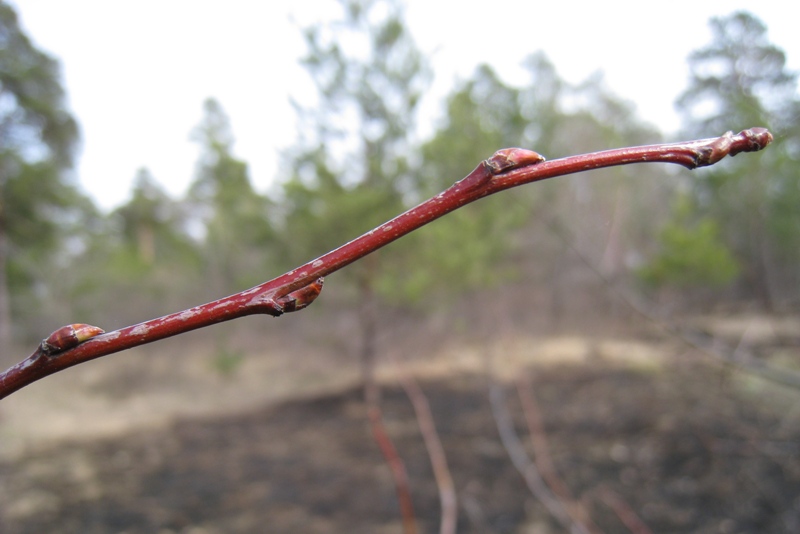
(728, 144)
(752, 140)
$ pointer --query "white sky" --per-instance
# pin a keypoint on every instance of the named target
(136, 73)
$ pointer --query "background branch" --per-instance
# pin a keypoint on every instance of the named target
(523, 463)
(427, 427)
(543, 459)
(721, 353)
(396, 466)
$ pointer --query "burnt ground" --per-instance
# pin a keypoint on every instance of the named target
(689, 448)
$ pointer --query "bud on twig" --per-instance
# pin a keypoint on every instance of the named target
(297, 300)
(68, 337)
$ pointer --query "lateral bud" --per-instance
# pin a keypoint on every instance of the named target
(297, 300)
(68, 337)
(504, 160)
(508, 159)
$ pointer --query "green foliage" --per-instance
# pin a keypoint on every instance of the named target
(692, 254)
(325, 213)
(41, 213)
(740, 76)
(470, 247)
(37, 143)
(739, 80)
(349, 170)
(352, 169)
(227, 361)
(238, 234)
(35, 124)
(150, 225)
(137, 260)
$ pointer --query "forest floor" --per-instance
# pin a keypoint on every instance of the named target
(688, 445)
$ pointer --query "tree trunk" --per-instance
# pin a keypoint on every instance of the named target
(760, 276)
(5, 303)
(368, 324)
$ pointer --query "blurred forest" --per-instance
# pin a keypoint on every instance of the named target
(550, 273)
(726, 237)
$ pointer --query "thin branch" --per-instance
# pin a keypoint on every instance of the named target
(544, 460)
(427, 427)
(739, 359)
(624, 512)
(396, 466)
(297, 288)
(541, 448)
(528, 470)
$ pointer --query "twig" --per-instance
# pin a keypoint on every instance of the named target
(520, 459)
(541, 448)
(543, 459)
(625, 513)
(296, 289)
(726, 356)
(441, 472)
(372, 398)
(396, 466)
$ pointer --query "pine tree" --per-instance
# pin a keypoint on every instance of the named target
(37, 140)
(349, 171)
(740, 80)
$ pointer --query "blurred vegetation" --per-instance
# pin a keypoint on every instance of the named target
(740, 78)
(235, 232)
(38, 206)
(350, 169)
(692, 253)
(226, 362)
(733, 229)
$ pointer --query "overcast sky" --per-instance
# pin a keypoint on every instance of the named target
(136, 73)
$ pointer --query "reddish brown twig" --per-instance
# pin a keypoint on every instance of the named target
(396, 466)
(541, 448)
(516, 452)
(507, 168)
(544, 461)
(447, 492)
(625, 513)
